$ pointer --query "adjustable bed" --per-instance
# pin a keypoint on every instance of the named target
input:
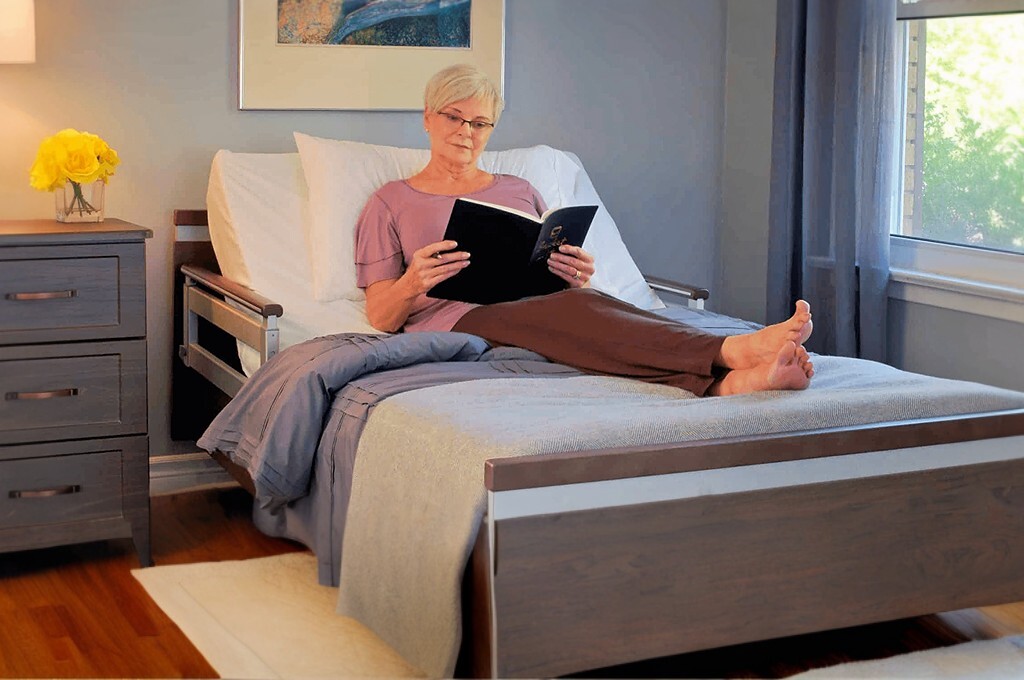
(510, 517)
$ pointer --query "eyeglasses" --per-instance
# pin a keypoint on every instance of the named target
(478, 126)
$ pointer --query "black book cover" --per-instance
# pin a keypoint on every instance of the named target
(508, 250)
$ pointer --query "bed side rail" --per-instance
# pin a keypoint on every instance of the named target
(695, 296)
(242, 313)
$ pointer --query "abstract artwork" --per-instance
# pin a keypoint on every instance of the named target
(384, 23)
(360, 54)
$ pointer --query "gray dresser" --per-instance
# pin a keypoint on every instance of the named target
(74, 450)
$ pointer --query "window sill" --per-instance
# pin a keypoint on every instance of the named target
(936, 290)
(965, 279)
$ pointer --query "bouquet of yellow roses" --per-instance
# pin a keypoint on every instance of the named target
(75, 157)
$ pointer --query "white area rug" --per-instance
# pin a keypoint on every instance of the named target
(1000, 659)
(268, 618)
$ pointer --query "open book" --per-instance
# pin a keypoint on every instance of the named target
(508, 250)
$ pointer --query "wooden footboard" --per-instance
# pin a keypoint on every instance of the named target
(586, 588)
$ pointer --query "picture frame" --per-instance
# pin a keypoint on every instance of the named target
(273, 76)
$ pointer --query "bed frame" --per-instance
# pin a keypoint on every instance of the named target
(598, 558)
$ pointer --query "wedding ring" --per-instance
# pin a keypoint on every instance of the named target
(576, 275)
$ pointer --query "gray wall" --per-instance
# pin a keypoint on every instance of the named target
(954, 344)
(634, 88)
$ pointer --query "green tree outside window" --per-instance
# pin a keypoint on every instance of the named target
(973, 146)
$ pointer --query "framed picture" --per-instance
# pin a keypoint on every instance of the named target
(360, 54)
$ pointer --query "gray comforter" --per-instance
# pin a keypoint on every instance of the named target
(296, 424)
(275, 424)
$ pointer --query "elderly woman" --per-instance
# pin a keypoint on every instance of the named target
(400, 255)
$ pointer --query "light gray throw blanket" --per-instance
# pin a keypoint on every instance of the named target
(418, 494)
(273, 425)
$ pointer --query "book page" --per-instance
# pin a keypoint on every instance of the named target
(503, 208)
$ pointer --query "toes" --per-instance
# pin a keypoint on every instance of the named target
(800, 323)
(787, 353)
(806, 331)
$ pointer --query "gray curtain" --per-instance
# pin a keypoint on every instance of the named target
(833, 185)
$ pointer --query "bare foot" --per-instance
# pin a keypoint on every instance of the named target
(754, 349)
(790, 369)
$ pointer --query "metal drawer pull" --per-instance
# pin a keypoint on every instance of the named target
(52, 295)
(47, 493)
(51, 394)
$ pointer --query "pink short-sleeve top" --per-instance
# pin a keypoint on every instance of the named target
(398, 220)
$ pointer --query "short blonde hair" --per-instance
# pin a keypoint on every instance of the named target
(459, 82)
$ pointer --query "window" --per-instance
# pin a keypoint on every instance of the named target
(960, 242)
(963, 179)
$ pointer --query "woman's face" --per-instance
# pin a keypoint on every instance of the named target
(459, 131)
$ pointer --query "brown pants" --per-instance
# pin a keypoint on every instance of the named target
(599, 334)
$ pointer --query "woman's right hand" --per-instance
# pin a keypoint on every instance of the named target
(433, 263)
(389, 302)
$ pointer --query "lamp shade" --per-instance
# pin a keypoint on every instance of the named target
(17, 32)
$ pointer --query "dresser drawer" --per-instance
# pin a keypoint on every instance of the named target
(73, 292)
(60, 489)
(52, 392)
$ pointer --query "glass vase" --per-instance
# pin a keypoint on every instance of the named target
(80, 202)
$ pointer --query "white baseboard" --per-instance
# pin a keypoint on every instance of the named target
(186, 472)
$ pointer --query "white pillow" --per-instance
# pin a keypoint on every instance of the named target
(617, 273)
(257, 206)
(341, 176)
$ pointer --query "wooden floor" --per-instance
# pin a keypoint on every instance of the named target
(77, 611)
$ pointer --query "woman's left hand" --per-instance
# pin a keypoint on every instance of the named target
(573, 265)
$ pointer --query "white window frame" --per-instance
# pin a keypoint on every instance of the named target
(976, 280)
(935, 9)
